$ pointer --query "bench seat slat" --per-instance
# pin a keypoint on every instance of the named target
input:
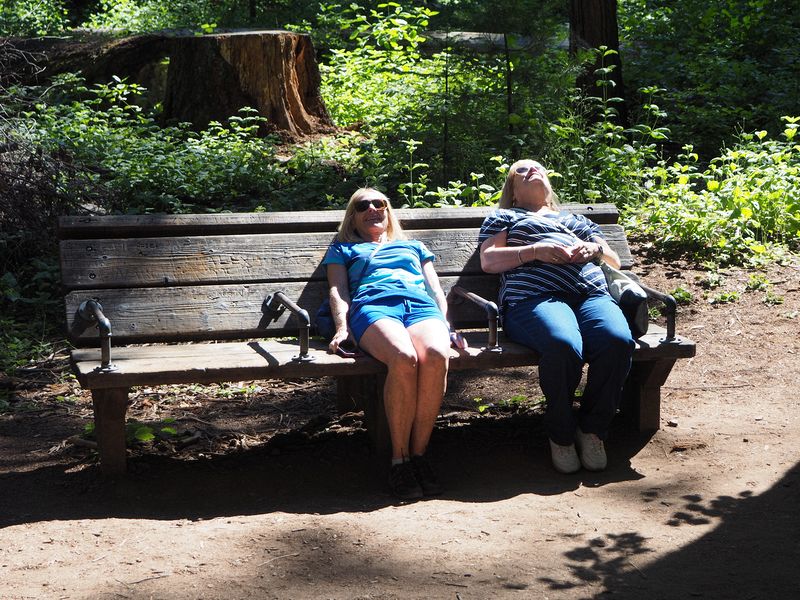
(274, 359)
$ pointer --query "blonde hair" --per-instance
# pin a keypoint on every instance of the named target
(347, 229)
(507, 195)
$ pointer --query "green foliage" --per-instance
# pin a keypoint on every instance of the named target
(138, 16)
(28, 303)
(453, 105)
(726, 65)
(32, 17)
(22, 343)
(743, 207)
(682, 295)
(724, 298)
(773, 299)
(757, 281)
(137, 432)
(594, 157)
(145, 167)
(515, 402)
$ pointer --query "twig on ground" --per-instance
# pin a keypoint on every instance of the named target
(189, 417)
(143, 580)
(266, 562)
(190, 440)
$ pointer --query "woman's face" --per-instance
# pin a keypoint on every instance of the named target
(529, 177)
(371, 216)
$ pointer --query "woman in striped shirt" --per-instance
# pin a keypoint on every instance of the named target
(555, 300)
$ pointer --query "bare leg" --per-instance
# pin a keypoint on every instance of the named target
(389, 342)
(431, 340)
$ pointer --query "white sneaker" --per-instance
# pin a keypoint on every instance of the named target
(565, 458)
(593, 452)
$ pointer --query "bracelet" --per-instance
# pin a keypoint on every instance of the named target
(519, 255)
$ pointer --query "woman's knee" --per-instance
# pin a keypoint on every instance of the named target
(564, 348)
(404, 361)
(436, 355)
(620, 343)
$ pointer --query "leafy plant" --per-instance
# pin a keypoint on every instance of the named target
(724, 298)
(515, 402)
(32, 17)
(773, 299)
(744, 207)
(682, 295)
(725, 66)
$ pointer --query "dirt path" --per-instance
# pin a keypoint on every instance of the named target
(705, 508)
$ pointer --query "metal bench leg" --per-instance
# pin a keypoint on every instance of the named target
(642, 392)
(110, 407)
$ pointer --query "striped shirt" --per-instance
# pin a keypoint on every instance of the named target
(537, 278)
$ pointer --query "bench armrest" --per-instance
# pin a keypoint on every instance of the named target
(670, 308)
(91, 311)
(492, 313)
(275, 304)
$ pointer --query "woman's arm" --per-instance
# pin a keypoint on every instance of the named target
(435, 289)
(497, 257)
(606, 253)
(340, 303)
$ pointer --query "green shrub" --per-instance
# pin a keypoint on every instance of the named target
(23, 18)
(725, 65)
(743, 207)
(139, 16)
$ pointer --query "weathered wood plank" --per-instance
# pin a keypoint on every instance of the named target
(110, 406)
(176, 261)
(226, 312)
(109, 226)
(277, 359)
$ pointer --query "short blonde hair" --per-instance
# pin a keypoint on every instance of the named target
(347, 229)
(507, 195)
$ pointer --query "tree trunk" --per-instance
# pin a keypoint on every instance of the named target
(212, 76)
(209, 77)
(593, 23)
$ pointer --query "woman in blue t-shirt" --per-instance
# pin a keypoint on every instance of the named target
(555, 300)
(385, 296)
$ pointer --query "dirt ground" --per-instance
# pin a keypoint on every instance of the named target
(263, 492)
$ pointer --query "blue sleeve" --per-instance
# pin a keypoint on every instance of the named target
(492, 225)
(335, 255)
(424, 253)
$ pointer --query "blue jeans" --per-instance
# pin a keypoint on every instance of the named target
(568, 330)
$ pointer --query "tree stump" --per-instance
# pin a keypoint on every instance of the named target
(212, 76)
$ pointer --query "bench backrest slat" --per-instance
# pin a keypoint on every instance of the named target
(193, 260)
(228, 311)
(122, 226)
(156, 287)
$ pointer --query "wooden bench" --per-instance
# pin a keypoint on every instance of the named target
(245, 284)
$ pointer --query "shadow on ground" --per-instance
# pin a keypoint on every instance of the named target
(752, 552)
(479, 460)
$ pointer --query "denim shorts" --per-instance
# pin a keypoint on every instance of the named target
(404, 309)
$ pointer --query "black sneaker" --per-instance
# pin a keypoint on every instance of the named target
(403, 483)
(428, 480)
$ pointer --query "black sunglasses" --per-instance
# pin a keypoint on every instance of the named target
(377, 203)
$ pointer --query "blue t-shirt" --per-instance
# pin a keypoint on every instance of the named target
(537, 278)
(396, 268)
